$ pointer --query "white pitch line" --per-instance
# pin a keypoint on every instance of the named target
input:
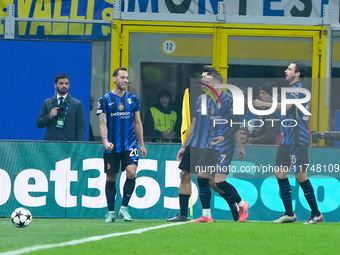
(85, 240)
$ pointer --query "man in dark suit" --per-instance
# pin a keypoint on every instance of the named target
(62, 114)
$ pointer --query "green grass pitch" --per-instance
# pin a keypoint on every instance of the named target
(219, 237)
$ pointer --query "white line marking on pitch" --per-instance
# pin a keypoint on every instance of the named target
(85, 240)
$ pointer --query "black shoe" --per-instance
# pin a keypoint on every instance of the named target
(178, 217)
(235, 211)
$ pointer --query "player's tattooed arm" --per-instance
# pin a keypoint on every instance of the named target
(103, 126)
(103, 132)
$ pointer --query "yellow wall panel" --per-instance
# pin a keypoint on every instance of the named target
(336, 52)
(189, 47)
(267, 49)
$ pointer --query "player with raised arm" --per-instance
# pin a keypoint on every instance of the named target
(192, 149)
(219, 151)
(293, 150)
(120, 129)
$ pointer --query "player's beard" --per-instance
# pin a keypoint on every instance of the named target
(290, 80)
(120, 86)
(62, 91)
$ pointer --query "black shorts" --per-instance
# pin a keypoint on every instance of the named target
(112, 160)
(190, 159)
(206, 160)
(215, 161)
(292, 156)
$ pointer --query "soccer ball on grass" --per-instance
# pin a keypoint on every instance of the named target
(21, 217)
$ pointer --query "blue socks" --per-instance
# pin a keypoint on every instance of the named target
(310, 196)
(110, 191)
(286, 195)
(128, 188)
(204, 192)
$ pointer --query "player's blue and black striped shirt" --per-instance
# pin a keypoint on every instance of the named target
(298, 134)
(225, 112)
(199, 135)
(119, 114)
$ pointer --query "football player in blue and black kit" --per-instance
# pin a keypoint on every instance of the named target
(215, 160)
(120, 128)
(190, 151)
(293, 150)
(189, 155)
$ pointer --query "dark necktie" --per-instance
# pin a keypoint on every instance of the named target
(61, 100)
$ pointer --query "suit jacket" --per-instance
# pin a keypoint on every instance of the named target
(74, 127)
